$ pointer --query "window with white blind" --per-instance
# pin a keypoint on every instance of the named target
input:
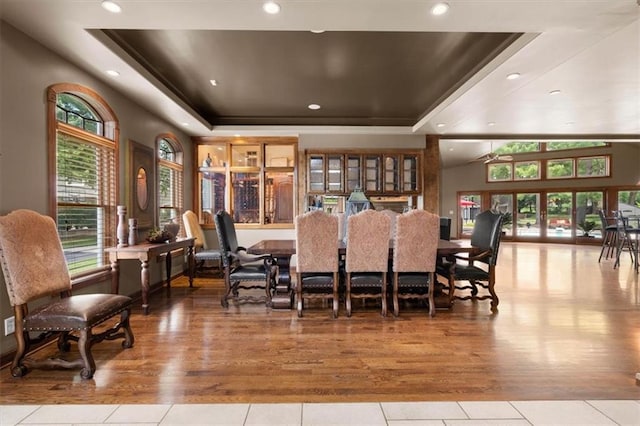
(84, 169)
(170, 181)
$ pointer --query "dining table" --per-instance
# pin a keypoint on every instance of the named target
(283, 250)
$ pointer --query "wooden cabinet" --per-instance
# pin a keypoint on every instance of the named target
(377, 173)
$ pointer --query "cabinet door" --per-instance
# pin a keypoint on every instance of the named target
(409, 173)
(372, 173)
(246, 197)
(212, 186)
(316, 173)
(335, 170)
(391, 173)
(354, 170)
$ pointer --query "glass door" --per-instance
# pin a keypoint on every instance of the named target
(469, 205)
(503, 204)
(528, 215)
(559, 215)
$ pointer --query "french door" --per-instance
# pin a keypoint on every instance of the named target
(543, 216)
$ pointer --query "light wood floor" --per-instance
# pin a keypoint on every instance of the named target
(567, 328)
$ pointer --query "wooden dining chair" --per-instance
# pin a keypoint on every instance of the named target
(479, 270)
(628, 239)
(414, 257)
(609, 236)
(242, 270)
(367, 256)
(317, 270)
(39, 289)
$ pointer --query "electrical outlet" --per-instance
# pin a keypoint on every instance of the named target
(9, 326)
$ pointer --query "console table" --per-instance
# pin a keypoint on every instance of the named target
(144, 253)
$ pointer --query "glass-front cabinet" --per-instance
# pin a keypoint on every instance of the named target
(252, 178)
(377, 173)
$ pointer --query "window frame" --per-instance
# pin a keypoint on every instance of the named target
(110, 138)
(176, 165)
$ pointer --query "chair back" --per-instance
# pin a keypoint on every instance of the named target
(368, 242)
(445, 228)
(603, 219)
(392, 216)
(486, 234)
(227, 239)
(32, 257)
(317, 242)
(416, 244)
(194, 230)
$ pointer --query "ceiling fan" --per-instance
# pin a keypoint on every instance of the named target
(494, 156)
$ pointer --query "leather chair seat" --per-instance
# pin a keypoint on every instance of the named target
(366, 279)
(205, 255)
(412, 279)
(317, 280)
(77, 312)
(249, 272)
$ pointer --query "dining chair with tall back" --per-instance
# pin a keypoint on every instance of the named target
(479, 270)
(414, 257)
(203, 254)
(367, 256)
(628, 239)
(35, 270)
(393, 215)
(317, 270)
(242, 270)
(609, 236)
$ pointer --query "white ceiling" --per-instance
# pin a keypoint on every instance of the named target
(588, 49)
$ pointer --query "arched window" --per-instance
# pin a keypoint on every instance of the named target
(83, 165)
(170, 180)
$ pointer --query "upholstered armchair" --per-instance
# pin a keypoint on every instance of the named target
(477, 269)
(242, 270)
(202, 252)
(317, 270)
(367, 257)
(35, 268)
(414, 257)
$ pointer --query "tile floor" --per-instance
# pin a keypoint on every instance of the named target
(596, 412)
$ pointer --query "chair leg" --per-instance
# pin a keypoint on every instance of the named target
(431, 288)
(84, 346)
(336, 297)
(383, 294)
(348, 295)
(18, 369)
(396, 304)
(299, 294)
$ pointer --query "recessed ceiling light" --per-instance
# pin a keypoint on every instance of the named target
(513, 76)
(451, 149)
(317, 31)
(271, 7)
(111, 6)
(491, 124)
(440, 125)
(314, 106)
(213, 82)
(113, 73)
(554, 92)
(439, 9)
(185, 124)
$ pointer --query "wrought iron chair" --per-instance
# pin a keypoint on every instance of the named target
(202, 252)
(609, 237)
(414, 257)
(628, 238)
(34, 269)
(486, 235)
(367, 257)
(317, 271)
(242, 270)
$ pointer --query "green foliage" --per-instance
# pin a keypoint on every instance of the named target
(528, 170)
(560, 168)
(587, 226)
(500, 171)
(518, 147)
(76, 162)
(557, 146)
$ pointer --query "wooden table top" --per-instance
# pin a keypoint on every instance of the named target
(288, 247)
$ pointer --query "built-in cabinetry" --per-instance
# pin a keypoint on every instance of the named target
(252, 178)
(377, 173)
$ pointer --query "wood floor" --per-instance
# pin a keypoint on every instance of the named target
(567, 328)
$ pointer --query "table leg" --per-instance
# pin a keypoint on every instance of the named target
(283, 296)
(115, 276)
(168, 268)
(191, 264)
(144, 282)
